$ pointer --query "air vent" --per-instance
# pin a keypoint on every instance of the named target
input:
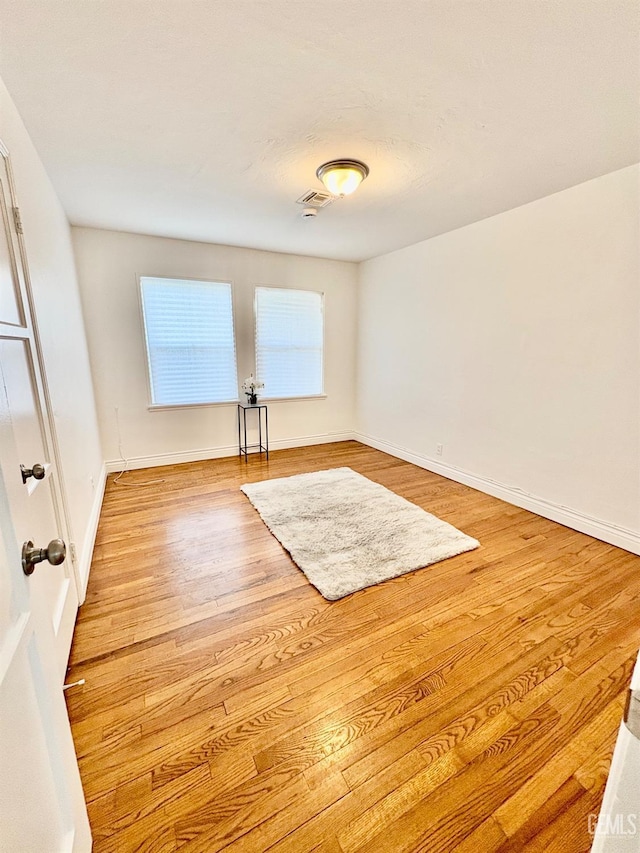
(315, 198)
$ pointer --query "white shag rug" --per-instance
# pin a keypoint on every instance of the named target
(346, 532)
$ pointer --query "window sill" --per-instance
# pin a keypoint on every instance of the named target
(171, 406)
(291, 399)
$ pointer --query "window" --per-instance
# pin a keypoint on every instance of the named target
(191, 348)
(289, 334)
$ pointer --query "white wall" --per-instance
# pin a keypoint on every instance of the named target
(109, 263)
(59, 317)
(514, 343)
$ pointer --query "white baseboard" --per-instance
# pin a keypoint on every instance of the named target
(622, 537)
(90, 535)
(179, 457)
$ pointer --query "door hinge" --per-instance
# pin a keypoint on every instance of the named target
(18, 220)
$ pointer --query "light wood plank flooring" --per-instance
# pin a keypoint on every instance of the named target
(469, 707)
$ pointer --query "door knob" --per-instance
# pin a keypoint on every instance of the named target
(37, 472)
(55, 553)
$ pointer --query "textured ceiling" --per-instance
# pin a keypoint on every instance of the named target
(206, 119)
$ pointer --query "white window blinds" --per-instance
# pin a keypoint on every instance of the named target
(289, 342)
(190, 342)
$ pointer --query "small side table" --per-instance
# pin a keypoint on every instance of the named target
(263, 432)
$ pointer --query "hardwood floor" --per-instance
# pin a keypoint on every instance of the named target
(469, 707)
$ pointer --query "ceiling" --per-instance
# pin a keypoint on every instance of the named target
(206, 119)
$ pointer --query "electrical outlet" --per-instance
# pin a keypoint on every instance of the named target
(438, 450)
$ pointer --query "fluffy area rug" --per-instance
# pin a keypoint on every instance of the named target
(346, 532)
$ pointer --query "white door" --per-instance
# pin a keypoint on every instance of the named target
(617, 828)
(43, 517)
(42, 808)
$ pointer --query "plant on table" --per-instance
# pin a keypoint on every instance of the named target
(250, 386)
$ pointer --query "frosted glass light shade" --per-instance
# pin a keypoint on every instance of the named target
(342, 177)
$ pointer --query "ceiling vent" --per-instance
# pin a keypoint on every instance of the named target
(315, 198)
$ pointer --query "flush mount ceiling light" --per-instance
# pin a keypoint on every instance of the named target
(342, 177)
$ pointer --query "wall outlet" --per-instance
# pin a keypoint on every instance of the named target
(438, 450)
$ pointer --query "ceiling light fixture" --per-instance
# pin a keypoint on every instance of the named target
(342, 177)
